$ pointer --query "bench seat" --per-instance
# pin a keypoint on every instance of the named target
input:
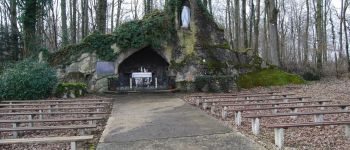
(279, 129)
(72, 139)
(56, 104)
(58, 100)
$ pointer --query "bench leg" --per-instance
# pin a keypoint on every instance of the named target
(30, 117)
(294, 110)
(318, 118)
(205, 105)
(212, 109)
(255, 126)
(274, 110)
(40, 116)
(197, 102)
(279, 137)
(238, 118)
(73, 145)
(345, 108)
(347, 130)
(224, 113)
(14, 133)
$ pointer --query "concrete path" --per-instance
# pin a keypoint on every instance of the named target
(164, 122)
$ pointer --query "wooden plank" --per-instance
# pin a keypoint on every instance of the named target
(85, 103)
(54, 108)
(251, 100)
(277, 103)
(289, 107)
(56, 100)
(308, 124)
(46, 140)
(235, 94)
(52, 120)
(52, 113)
(47, 128)
(296, 114)
(245, 96)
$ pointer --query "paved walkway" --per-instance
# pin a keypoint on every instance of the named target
(164, 122)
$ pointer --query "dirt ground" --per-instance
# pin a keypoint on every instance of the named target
(325, 137)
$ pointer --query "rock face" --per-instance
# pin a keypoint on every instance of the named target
(199, 50)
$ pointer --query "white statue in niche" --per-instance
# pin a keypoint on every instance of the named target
(185, 17)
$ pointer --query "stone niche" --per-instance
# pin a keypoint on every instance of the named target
(197, 50)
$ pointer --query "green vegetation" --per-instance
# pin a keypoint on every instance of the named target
(78, 89)
(268, 77)
(151, 30)
(154, 30)
(27, 79)
(214, 83)
(311, 76)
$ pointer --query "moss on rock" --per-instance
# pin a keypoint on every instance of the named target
(268, 77)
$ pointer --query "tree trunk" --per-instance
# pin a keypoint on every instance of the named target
(29, 22)
(73, 25)
(14, 29)
(85, 18)
(319, 35)
(244, 22)
(273, 33)
(118, 12)
(237, 25)
(256, 27)
(64, 23)
(306, 34)
(346, 36)
(112, 16)
(101, 16)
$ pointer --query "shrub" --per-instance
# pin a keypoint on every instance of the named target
(309, 76)
(214, 83)
(63, 88)
(27, 79)
(268, 77)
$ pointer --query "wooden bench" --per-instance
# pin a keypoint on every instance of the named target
(234, 94)
(238, 112)
(214, 106)
(58, 100)
(51, 108)
(279, 129)
(15, 130)
(206, 104)
(56, 104)
(72, 139)
(318, 117)
(198, 100)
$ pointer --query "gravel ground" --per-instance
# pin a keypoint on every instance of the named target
(325, 137)
(55, 133)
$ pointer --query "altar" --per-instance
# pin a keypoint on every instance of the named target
(142, 79)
